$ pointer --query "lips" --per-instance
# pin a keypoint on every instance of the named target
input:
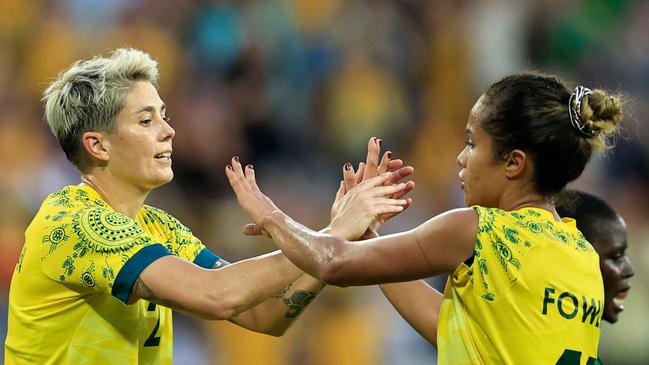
(165, 156)
(623, 293)
(618, 300)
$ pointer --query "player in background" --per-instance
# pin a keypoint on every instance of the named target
(524, 285)
(100, 271)
(606, 231)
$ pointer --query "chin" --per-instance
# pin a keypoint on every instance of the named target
(161, 180)
(166, 180)
(609, 317)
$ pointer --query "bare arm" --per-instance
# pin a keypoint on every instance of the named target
(418, 304)
(437, 246)
(214, 294)
(276, 314)
(240, 292)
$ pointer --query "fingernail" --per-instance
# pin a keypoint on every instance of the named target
(380, 141)
(228, 167)
(348, 166)
(389, 154)
(373, 139)
(249, 166)
(236, 158)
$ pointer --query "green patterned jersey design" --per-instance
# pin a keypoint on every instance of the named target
(61, 198)
(105, 230)
(55, 237)
(180, 234)
(93, 227)
(505, 239)
(83, 222)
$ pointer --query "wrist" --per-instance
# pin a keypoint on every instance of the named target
(269, 218)
(370, 233)
(334, 230)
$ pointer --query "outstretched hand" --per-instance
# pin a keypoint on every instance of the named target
(357, 210)
(368, 170)
(250, 198)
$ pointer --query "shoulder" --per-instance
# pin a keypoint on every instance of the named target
(458, 226)
(460, 218)
(448, 238)
(73, 197)
(72, 213)
(154, 215)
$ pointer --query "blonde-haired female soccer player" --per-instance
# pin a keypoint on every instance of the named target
(524, 285)
(100, 271)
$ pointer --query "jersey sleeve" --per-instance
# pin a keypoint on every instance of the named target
(182, 241)
(497, 259)
(97, 249)
(191, 248)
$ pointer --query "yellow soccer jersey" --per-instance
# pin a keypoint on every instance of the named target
(68, 295)
(531, 294)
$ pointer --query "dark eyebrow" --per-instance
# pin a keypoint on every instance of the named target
(150, 109)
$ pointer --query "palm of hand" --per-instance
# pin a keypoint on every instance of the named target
(255, 203)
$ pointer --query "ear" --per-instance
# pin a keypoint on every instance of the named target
(515, 163)
(96, 146)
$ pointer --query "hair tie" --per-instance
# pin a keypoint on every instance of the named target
(574, 110)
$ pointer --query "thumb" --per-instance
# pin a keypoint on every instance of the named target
(251, 229)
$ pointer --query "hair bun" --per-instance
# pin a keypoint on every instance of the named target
(601, 113)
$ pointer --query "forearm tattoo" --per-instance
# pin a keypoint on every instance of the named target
(297, 302)
(280, 294)
(141, 290)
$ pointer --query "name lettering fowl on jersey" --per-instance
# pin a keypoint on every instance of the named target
(569, 304)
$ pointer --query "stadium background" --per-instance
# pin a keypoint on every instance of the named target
(296, 87)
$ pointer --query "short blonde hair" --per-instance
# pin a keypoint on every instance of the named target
(89, 95)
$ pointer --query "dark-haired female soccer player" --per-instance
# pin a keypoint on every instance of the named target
(524, 285)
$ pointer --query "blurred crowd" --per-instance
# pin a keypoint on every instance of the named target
(296, 87)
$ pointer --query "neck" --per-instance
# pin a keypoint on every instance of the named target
(122, 197)
(528, 200)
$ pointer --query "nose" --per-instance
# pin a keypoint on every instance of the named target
(627, 270)
(461, 158)
(167, 131)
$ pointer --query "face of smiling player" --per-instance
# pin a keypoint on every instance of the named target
(140, 148)
(610, 243)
